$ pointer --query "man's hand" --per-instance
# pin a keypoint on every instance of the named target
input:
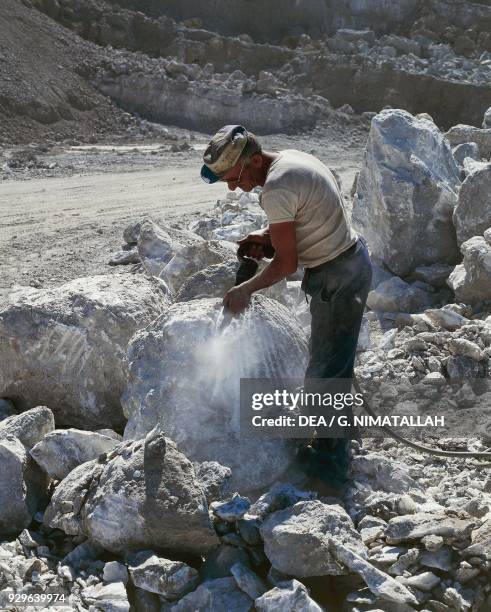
(237, 299)
(284, 263)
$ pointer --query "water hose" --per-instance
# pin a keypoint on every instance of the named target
(421, 447)
(247, 269)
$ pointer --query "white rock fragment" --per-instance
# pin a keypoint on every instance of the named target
(446, 318)
(461, 133)
(115, 572)
(111, 597)
(30, 426)
(219, 594)
(426, 581)
(297, 539)
(472, 215)
(466, 348)
(379, 583)
(416, 526)
(387, 475)
(172, 579)
(104, 504)
(62, 450)
(471, 280)
(288, 595)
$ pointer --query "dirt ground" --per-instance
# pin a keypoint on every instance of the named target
(65, 220)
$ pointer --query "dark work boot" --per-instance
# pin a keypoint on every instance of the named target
(327, 462)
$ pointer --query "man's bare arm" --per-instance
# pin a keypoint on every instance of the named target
(285, 260)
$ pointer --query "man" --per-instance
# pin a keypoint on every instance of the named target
(308, 225)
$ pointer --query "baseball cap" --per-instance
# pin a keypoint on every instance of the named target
(223, 152)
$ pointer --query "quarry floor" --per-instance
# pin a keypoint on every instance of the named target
(65, 220)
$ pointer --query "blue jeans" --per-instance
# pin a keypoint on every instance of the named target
(338, 290)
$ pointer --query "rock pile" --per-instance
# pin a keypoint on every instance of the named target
(278, 76)
(425, 545)
(186, 514)
(420, 219)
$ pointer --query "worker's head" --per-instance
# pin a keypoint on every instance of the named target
(234, 156)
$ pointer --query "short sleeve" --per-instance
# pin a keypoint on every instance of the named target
(280, 205)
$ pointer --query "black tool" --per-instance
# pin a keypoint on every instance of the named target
(247, 269)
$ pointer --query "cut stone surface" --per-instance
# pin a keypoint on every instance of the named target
(78, 334)
(184, 372)
(62, 450)
(297, 540)
(472, 215)
(144, 494)
(288, 595)
(172, 579)
(23, 487)
(30, 426)
(406, 193)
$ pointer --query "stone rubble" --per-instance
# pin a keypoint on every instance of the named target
(162, 68)
(29, 427)
(62, 450)
(100, 499)
(160, 520)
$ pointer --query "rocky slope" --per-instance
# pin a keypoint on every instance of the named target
(43, 90)
(422, 56)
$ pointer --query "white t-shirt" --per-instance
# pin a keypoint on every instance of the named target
(300, 188)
